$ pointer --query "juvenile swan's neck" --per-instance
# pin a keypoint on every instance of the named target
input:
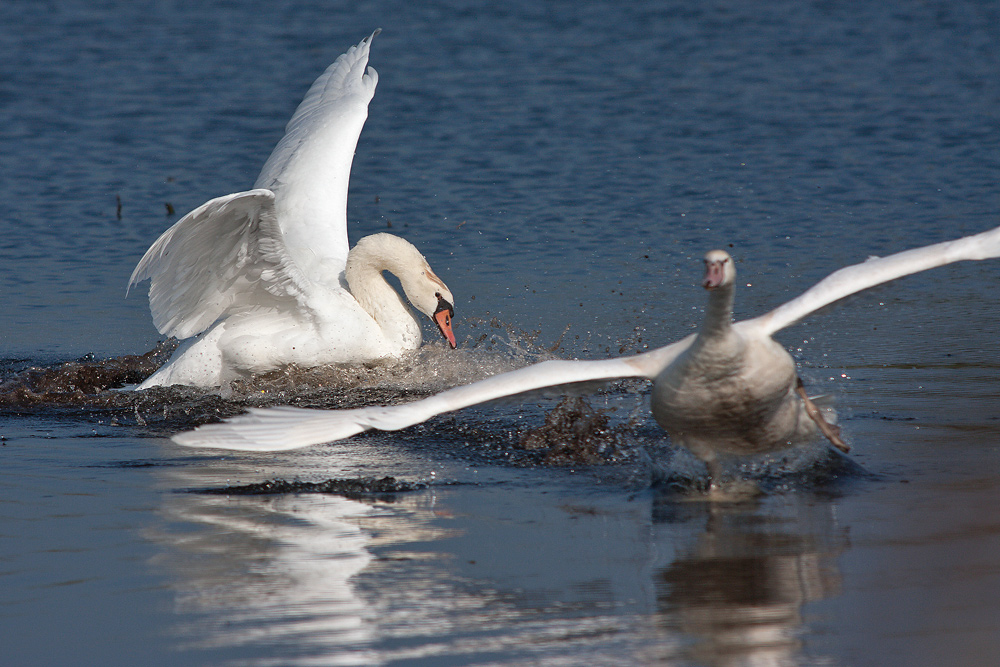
(718, 320)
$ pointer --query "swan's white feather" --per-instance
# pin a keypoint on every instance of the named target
(875, 271)
(310, 168)
(261, 275)
(205, 264)
(282, 428)
(208, 262)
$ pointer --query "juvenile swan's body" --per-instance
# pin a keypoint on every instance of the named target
(733, 390)
(260, 279)
(729, 389)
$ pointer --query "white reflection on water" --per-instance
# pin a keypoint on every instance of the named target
(272, 570)
(483, 574)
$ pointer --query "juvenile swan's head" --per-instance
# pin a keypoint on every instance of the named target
(719, 270)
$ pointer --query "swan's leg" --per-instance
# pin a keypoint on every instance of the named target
(714, 475)
(831, 432)
(721, 490)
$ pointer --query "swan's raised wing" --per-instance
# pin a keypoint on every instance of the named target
(218, 255)
(875, 271)
(310, 167)
(215, 258)
(277, 429)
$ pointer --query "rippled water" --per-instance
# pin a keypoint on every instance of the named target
(560, 165)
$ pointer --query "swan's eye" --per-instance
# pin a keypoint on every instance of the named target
(437, 295)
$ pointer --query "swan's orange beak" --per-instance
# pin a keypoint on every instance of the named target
(442, 317)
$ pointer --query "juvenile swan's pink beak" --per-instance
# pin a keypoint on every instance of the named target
(714, 274)
(442, 317)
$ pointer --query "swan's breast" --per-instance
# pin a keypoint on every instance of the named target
(740, 395)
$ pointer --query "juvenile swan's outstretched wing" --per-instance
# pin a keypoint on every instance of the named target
(876, 271)
(309, 169)
(276, 429)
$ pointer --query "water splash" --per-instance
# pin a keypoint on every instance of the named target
(609, 429)
(90, 386)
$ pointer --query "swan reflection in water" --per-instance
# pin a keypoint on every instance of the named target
(510, 573)
(738, 589)
(273, 570)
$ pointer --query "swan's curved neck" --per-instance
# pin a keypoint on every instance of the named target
(376, 296)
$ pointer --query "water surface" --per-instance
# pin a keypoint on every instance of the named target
(560, 165)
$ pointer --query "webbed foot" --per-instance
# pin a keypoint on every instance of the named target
(831, 431)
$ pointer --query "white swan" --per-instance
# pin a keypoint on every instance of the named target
(727, 389)
(265, 276)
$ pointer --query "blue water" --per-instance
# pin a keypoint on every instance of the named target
(559, 164)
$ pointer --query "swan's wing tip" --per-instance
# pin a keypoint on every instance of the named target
(876, 271)
(275, 429)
